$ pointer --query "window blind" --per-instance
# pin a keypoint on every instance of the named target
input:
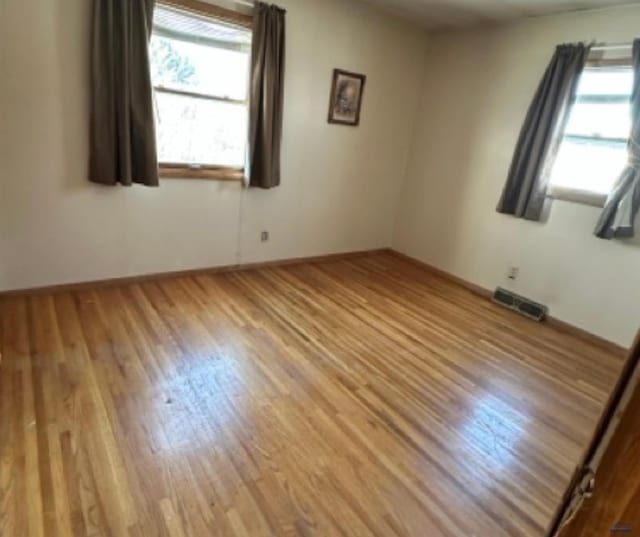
(171, 22)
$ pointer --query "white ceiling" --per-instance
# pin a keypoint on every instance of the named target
(446, 13)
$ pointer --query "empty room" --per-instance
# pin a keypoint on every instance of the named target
(319, 267)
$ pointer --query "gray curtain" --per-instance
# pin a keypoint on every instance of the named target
(618, 217)
(122, 130)
(525, 191)
(267, 95)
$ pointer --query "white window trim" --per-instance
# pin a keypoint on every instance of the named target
(576, 195)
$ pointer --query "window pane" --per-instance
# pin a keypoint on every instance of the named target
(607, 120)
(606, 81)
(199, 68)
(200, 131)
(589, 166)
(593, 152)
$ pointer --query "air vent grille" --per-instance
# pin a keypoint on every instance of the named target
(522, 305)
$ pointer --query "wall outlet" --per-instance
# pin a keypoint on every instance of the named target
(264, 236)
(513, 273)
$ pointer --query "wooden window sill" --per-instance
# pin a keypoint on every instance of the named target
(212, 173)
(578, 196)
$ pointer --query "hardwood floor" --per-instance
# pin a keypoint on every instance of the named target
(355, 398)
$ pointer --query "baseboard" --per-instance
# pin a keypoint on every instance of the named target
(568, 328)
(91, 284)
(475, 289)
(554, 322)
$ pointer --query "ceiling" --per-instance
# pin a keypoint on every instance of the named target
(447, 13)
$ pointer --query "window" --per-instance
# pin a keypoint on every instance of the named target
(593, 151)
(200, 73)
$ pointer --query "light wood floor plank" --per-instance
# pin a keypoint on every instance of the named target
(362, 397)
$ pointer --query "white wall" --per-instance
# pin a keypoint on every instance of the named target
(340, 185)
(479, 85)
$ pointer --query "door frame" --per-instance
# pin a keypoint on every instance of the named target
(583, 477)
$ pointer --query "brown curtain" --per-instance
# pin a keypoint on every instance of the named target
(267, 95)
(122, 130)
(525, 191)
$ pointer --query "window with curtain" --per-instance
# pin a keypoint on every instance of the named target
(200, 73)
(593, 151)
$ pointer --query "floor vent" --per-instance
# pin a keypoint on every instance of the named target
(522, 305)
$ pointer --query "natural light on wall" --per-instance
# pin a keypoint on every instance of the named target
(593, 152)
(200, 72)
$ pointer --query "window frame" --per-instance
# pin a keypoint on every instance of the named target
(577, 195)
(178, 170)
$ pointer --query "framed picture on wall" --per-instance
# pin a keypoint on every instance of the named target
(346, 98)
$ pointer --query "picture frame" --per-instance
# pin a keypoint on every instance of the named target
(347, 90)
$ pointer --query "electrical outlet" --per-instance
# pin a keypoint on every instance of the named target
(264, 236)
(513, 273)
